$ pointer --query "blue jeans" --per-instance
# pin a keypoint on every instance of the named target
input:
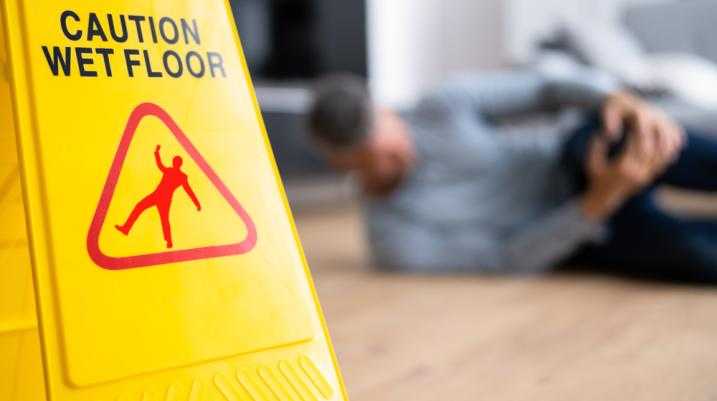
(645, 241)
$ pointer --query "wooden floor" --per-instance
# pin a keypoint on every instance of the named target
(402, 338)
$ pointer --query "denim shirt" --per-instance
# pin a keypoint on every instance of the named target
(481, 199)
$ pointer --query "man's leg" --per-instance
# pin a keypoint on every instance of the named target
(646, 242)
(143, 205)
(695, 168)
(166, 228)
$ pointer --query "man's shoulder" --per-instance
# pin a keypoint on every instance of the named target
(436, 106)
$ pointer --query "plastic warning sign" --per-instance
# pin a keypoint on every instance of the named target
(161, 199)
(165, 260)
(21, 376)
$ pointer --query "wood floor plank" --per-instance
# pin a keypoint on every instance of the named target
(559, 337)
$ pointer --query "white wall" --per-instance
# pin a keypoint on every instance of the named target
(416, 44)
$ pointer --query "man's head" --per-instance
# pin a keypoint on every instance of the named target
(177, 162)
(357, 136)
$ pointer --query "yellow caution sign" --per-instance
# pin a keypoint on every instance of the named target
(166, 264)
(20, 363)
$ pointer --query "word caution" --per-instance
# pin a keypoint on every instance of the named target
(161, 47)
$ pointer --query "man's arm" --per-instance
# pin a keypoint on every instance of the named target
(191, 194)
(158, 159)
(647, 153)
(550, 239)
(502, 94)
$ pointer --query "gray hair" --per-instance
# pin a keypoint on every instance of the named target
(342, 113)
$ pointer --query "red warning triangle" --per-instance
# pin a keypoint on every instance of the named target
(171, 256)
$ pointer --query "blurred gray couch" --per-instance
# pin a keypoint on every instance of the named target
(676, 26)
(665, 50)
(681, 27)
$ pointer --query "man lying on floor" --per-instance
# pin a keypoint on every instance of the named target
(447, 192)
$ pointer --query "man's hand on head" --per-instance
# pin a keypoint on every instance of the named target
(389, 155)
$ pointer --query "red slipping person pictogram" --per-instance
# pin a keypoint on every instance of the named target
(229, 243)
(172, 178)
